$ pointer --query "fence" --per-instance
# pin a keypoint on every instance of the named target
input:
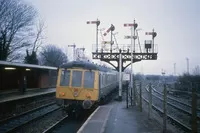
(172, 110)
(124, 47)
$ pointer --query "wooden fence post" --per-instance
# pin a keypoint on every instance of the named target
(150, 101)
(194, 108)
(140, 96)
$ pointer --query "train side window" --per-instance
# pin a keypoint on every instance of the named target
(76, 78)
(104, 79)
(89, 79)
(65, 78)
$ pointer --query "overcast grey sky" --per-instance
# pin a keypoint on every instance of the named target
(177, 23)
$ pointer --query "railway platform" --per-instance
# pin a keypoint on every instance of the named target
(116, 118)
(13, 96)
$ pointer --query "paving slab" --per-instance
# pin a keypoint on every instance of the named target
(16, 96)
(116, 118)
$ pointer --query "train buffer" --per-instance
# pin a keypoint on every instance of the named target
(116, 118)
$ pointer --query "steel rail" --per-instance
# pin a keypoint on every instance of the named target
(55, 125)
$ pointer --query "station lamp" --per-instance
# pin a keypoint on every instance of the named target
(9, 68)
(27, 69)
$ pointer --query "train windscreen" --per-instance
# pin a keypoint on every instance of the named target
(65, 78)
(89, 79)
(76, 78)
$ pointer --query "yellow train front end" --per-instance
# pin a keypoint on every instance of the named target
(77, 87)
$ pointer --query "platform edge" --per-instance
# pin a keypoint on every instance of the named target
(105, 122)
(83, 126)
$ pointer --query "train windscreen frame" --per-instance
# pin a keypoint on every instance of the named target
(89, 79)
(77, 78)
(65, 78)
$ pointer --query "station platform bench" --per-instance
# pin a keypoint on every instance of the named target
(13, 96)
(116, 118)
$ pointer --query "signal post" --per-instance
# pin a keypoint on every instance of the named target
(120, 57)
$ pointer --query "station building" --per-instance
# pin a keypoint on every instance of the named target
(19, 77)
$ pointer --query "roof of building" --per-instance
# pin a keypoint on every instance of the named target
(14, 64)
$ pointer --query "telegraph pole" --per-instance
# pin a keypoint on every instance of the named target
(134, 37)
(187, 66)
(174, 69)
(132, 65)
(97, 22)
(133, 26)
(111, 29)
(154, 34)
(120, 75)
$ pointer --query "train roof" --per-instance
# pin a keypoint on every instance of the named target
(85, 65)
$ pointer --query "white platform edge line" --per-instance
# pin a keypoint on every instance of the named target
(83, 126)
(105, 122)
(26, 96)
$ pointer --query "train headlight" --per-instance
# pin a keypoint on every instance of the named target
(88, 95)
(61, 93)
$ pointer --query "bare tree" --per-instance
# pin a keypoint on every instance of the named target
(52, 56)
(16, 20)
(196, 70)
(35, 40)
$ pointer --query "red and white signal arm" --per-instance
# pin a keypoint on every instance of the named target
(129, 37)
(135, 25)
(94, 22)
(128, 25)
(149, 33)
(107, 42)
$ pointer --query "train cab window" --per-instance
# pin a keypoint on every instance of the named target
(89, 79)
(65, 78)
(76, 78)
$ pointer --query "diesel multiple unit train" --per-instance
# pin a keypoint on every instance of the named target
(82, 84)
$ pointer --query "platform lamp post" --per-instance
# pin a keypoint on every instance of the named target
(97, 22)
(133, 26)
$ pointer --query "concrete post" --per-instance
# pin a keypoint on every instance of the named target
(97, 37)
(120, 75)
(150, 101)
(134, 92)
(127, 88)
(194, 109)
(164, 109)
(140, 96)
(131, 67)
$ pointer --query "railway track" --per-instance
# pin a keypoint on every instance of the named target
(20, 108)
(48, 130)
(171, 118)
(173, 105)
(16, 122)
